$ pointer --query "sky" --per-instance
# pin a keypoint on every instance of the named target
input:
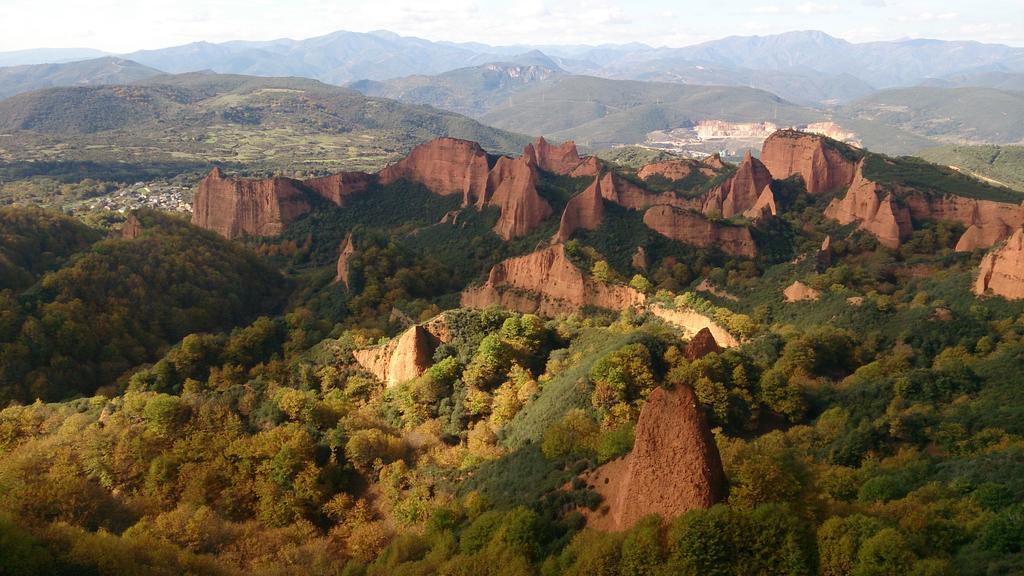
(120, 27)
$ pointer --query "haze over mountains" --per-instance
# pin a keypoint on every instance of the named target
(898, 97)
(802, 66)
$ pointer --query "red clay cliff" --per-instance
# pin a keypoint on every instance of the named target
(1001, 272)
(674, 466)
(815, 158)
(245, 207)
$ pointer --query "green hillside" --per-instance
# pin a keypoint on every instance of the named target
(471, 91)
(98, 71)
(264, 123)
(598, 112)
(956, 115)
(1003, 164)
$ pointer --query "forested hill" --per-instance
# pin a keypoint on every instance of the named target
(80, 311)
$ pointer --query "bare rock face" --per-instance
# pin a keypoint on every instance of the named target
(741, 192)
(621, 191)
(875, 211)
(338, 187)
(824, 254)
(344, 253)
(583, 212)
(799, 292)
(692, 323)
(702, 344)
(680, 168)
(445, 166)
(132, 228)
(512, 187)
(822, 167)
(1001, 272)
(696, 230)
(563, 159)
(402, 358)
(639, 259)
(241, 207)
(591, 166)
(988, 223)
(764, 207)
(546, 282)
(674, 466)
(714, 162)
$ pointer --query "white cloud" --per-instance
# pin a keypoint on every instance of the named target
(817, 8)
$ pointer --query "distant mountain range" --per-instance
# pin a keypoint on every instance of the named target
(99, 71)
(808, 67)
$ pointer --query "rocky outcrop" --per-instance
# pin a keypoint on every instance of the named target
(512, 187)
(591, 166)
(742, 192)
(617, 189)
(344, 253)
(692, 323)
(546, 282)
(696, 230)
(444, 166)
(1002, 270)
(336, 188)
(674, 466)
(132, 228)
(561, 159)
(583, 212)
(765, 206)
(800, 292)
(679, 168)
(639, 259)
(874, 210)
(244, 207)
(988, 223)
(815, 158)
(824, 255)
(702, 344)
(406, 356)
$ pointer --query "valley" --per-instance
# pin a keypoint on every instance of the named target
(366, 304)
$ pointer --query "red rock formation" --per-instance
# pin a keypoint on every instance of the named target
(714, 162)
(402, 358)
(741, 192)
(344, 253)
(445, 166)
(1002, 270)
(696, 230)
(988, 223)
(557, 159)
(702, 344)
(234, 208)
(337, 187)
(547, 283)
(764, 207)
(813, 157)
(874, 210)
(799, 292)
(672, 169)
(590, 167)
(584, 211)
(621, 191)
(132, 228)
(674, 466)
(512, 187)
